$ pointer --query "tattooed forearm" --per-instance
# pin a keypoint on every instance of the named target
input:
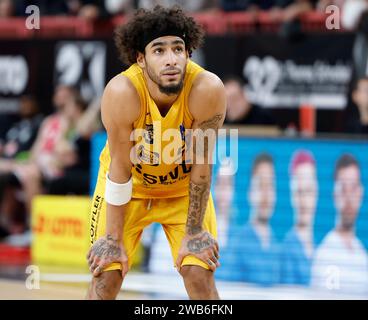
(196, 245)
(204, 138)
(198, 199)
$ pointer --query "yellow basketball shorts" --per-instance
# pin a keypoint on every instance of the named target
(171, 213)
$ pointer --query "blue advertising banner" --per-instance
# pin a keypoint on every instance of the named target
(295, 213)
(97, 144)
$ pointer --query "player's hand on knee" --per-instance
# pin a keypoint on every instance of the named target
(105, 251)
(203, 246)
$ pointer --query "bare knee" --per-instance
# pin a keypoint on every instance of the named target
(106, 286)
(199, 282)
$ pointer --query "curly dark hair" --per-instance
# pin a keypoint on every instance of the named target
(128, 37)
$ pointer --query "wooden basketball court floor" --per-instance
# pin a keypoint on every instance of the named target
(71, 284)
(17, 290)
(58, 286)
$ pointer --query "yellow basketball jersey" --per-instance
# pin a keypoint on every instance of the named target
(161, 171)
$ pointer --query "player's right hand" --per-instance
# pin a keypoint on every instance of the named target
(105, 251)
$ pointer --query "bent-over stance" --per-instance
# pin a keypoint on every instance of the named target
(156, 165)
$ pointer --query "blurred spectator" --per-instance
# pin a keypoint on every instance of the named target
(239, 109)
(341, 261)
(114, 7)
(252, 254)
(298, 246)
(90, 121)
(288, 12)
(71, 155)
(52, 130)
(20, 137)
(187, 5)
(63, 93)
(357, 121)
(91, 10)
(7, 8)
(17, 143)
(26, 176)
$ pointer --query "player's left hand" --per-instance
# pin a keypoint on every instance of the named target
(203, 246)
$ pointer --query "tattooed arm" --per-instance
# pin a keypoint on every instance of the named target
(120, 108)
(207, 104)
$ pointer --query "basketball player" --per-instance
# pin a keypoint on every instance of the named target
(162, 89)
